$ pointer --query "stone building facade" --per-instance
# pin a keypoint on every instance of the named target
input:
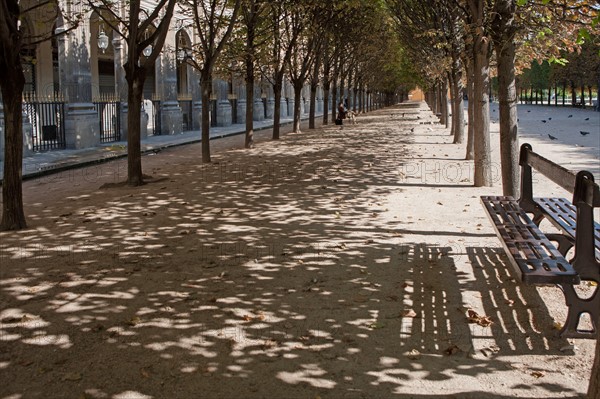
(76, 95)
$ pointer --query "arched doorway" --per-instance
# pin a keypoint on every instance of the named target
(184, 96)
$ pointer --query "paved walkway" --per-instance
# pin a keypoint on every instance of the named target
(44, 163)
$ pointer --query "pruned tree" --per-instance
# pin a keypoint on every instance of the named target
(12, 83)
(141, 28)
(303, 55)
(12, 39)
(254, 17)
(286, 27)
(504, 29)
(213, 22)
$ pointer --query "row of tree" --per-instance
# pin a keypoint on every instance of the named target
(453, 40)
(577, 71)
(335, 44)
(459, 41)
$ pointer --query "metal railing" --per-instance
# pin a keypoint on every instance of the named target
(185, 103)
(109, 116)
(47, 117)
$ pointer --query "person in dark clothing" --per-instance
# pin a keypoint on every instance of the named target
(341, 114)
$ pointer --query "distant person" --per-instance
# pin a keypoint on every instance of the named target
(341, 114)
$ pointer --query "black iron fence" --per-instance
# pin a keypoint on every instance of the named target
(47, 118)
(155, 117)
(185, 103)
(109, 116)
(234, 115)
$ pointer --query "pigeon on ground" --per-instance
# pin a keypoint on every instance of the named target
(570, 116)
(586, 119)
(549, 118)
(584, 133)
(528, 110)
(552, 137)
(543, 120)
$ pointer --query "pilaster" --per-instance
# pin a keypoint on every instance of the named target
(223, 105)
(259, 108)
(82, 128)
(171, 117)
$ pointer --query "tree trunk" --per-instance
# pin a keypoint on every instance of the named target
(277, 86)
(481, 106)
(333, 94)
(326, 85)
(573, 94)
(206, 92)
(594, 387)
(13, 216)
(470, 152)
(458, 108)
(12, 83)
(503, 27)
(452, 84)
(481, 116)
(444, 98)
(135, 89)
(249, 142)
(507, 94)
(312, 104)
(297, 109)
(361, 100)
(314, 84)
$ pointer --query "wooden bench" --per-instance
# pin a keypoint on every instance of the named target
(534, 255)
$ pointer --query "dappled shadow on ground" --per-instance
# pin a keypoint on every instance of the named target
(273, 273)
(522, 321)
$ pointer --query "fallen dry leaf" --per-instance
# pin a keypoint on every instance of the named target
(71, 377)
(451, 350)
(538, 374)
(413, 354)
(134, 321)
(483, 321)
(557, 325)
(409, 313)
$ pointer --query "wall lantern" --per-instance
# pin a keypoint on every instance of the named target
(102, 40)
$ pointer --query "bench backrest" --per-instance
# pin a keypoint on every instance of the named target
(529, 160)
(586, 190)
(558, 174)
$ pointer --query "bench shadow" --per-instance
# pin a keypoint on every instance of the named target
(523, 324)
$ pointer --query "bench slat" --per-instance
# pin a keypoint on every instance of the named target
(563, 215)
(532, 255)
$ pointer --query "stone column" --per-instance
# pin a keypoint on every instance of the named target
(259, 108)
(1, 131)
(319, 99)
(82, 126)
(283, 114)
(289, 90)
(27, 135)
(171, 117)
(223, 104)
(270, 100)
(194, 81)
(240, 91)
(121, 87)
